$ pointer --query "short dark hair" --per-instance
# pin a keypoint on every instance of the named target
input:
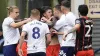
(58, 7)
(83, 10)
(45, 8)
(66, 3)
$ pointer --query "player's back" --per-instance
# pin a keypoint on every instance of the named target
(36, 32)
(84, 34)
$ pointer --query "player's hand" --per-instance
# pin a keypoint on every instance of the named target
(64, 36)
(18, 20)
(20, 52)
(28, 20)
(51, 30)
(51, 18)
(54, 31)
(43, 19)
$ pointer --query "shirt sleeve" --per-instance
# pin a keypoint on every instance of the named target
(24, 28)
(77, 21)
(9, 21)
(70, 20)
(59, 24)
(47, 29)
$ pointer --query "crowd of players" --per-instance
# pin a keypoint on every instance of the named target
(48, 32)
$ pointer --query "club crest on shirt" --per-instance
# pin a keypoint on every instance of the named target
(77, 21)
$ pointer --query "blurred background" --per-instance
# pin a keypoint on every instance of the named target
(25, 6)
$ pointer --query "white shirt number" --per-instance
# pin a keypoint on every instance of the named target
(88, 31)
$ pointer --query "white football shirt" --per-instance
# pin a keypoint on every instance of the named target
(36, 32)
(70, 39)
(65, 23)
(11, 35)
(59, 26)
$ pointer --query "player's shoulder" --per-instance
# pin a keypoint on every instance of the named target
(89, 18)
(27, 24)
(42, 23)
(70, 16)
(79, 20)
(39, 22)
(63, 15)
(8, 18)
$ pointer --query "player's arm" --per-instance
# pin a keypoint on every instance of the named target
(22, 39)
(58, 25)
(23, 34)
(18, 24)
(46, 20)
(51, 21)
(48, 39)
(1, 33)
(56, 32)
(76, 27)
(20, 43)
(48, 35)
(60, 33)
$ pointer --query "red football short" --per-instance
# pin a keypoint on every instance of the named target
(24, 48)
(53, 50)
(85, 53)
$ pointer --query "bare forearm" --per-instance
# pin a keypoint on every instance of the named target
(49, 23)
(19, 24)
(60, 33)
(48, 42)
(48, 39)
(77, 26)
(1, 33)
(21, 42)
